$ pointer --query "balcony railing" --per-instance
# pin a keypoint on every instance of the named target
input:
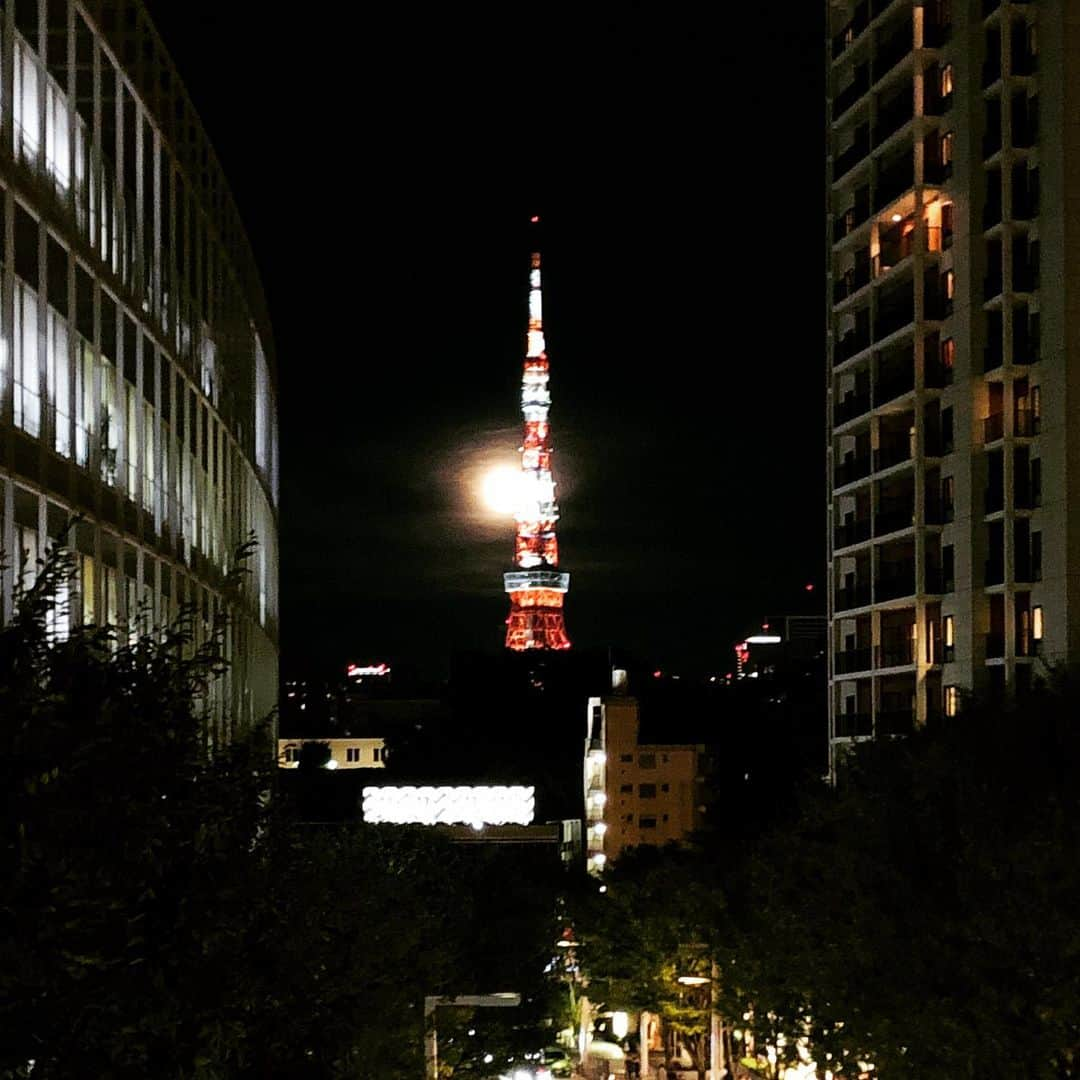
(892, 319)
(851, 470)
(851, 343)
(893, 183)
(897, 653)
(852, 155)
(995, 645)
(895, 722)
(850, 283)
(893, 584)
(892, 50)
(852, 92)
(854, 597)
(849, 725)
(852, 660)
(851, 405)
(893, 384)
(851, 532)
(894, 518)
(993, 427)
(892, 453)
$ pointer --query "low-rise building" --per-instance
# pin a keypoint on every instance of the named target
(346, 753)
(636, 791)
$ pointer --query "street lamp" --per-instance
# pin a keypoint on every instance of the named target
(715, 1045)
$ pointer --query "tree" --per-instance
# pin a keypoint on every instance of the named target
(656, 921)
(161, 914)
(924, 915)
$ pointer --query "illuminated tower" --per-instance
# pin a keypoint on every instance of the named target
(536, 586)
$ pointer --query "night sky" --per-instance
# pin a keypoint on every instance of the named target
(386, 163)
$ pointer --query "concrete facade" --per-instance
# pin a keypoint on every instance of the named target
(953, 351)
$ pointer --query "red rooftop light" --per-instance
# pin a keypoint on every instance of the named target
(535, 218)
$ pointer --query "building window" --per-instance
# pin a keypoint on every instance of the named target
(626, 757)
(948, 637)
(948, 498)
(1037, 625)
(947, 141)
(646, 791)
(664, 787)
(948, 569)
(665, 817)
(1035, 397)
(947, 435)
(630, 818)
(352, 753)
(647, 761)
(1036, 556)
(664, 759)
(647, 823)
(952, 700)
(627, 789)
(378, 754)
(1036, 482)
(946, 84)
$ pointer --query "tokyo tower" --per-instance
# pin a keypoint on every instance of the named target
(536, 586)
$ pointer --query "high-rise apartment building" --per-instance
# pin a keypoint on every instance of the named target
(953, 354)
(137, 376)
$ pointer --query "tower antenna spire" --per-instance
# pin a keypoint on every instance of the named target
(536, 586)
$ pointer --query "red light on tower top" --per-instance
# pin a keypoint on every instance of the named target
(535, 218)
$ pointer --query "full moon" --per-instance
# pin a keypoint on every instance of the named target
(501, 489)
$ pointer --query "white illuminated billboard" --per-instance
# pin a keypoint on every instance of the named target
(476, 806)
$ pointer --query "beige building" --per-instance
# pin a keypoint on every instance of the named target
(635, 792)
(952, 355)
(344, 753)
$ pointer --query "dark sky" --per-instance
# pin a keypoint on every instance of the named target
(386, 163)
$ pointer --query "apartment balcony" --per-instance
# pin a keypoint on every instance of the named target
(991, 215)
(936, 512)
(1025, 279)
(851, 470)
(892, 50)
(894, 517)
(994, 572)
(936, 34)
(893, 384)
(856, 596)
(847, 222)
(851, 660)
(895, 582)
(1024, 136)
(895, 722)
(850, 283)
(850, 406)
(851, 157)
(892, 453)
(991, 71)
(1023, 496)
(892, 118)
(995, 645)
(852, 725)
(854, 29)
(937, 584)
(892, 319)
(897, 653)
(851, 93)
(851, 532)
(1025, 206)
(1025, 424)
(893, 183)
(991, 142)
(851, 343)
(993, 357)
(993, 499)
(1024, 63)
(937, 375)
(989, 7)
(992, 285)
(993, 427)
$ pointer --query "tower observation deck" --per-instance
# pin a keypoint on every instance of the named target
(536, 585)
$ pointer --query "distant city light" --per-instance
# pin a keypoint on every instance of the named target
(358, 671)
(657, 674)
(535, 218)
(764, 639)
(809, 586)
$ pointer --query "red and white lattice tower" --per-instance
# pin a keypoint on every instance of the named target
(536, 586)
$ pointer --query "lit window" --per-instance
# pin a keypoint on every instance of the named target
(948, 353)
(950, 286)
(952, 700)
(947, 147)
(946, 80)
(1037, 623)
(949, 631)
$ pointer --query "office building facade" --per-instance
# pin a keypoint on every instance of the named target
(137, 372)
(951, 355)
